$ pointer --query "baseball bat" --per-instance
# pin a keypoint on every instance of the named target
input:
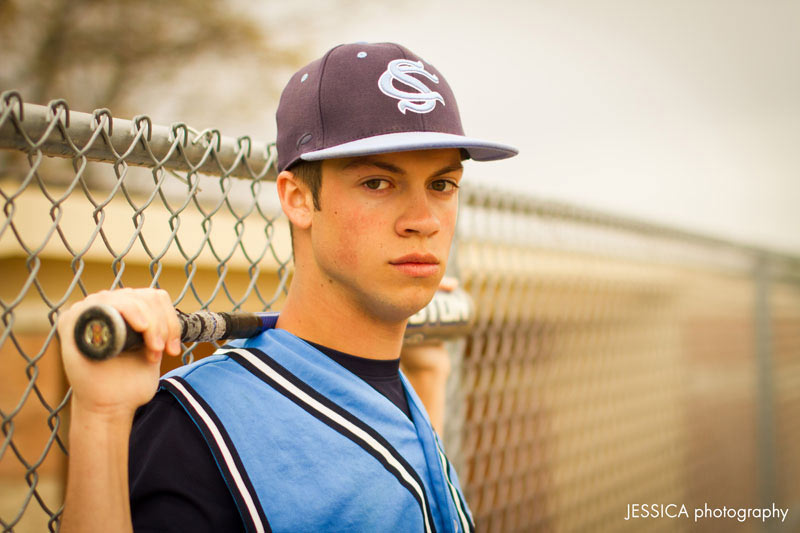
(101, 332)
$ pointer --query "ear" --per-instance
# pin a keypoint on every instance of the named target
(296, 199)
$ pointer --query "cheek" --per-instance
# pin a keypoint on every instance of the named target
(355, 238)
(448, 220)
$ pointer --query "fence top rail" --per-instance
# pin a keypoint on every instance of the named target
(485, 197)
(56, 131)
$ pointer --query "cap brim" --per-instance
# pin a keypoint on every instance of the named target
(424, 140)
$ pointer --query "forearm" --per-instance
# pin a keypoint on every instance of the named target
(105, 394)
(427, 367)
(97, 479)
(430, 387)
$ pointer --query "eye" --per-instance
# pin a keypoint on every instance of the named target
(444, 185)
(376, 184)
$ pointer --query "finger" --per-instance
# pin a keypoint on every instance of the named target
(137, 306)
(155, 336)
(132, 311)
(173, 333)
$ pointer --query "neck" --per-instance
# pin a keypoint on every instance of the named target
(318, 313)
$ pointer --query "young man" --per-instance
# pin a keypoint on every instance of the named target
(308, 426)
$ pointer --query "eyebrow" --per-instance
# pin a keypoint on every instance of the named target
(448, 169)
(394, 169)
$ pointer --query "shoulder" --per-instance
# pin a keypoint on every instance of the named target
(221, 358)
(150, 416)
(174, 480)
(218, 358)
(161, 422)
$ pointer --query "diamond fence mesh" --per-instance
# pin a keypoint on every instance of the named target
(124, 203)
(611, 363)
(616, 363)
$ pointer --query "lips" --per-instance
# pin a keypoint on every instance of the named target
(426, 259)
(417, 265)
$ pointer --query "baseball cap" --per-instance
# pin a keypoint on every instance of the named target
(362, 99)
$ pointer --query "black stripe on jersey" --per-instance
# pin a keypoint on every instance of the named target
(203, 417)
(421, 497)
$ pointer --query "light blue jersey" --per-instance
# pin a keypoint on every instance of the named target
(305, 445)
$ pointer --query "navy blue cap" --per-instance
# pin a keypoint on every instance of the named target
(362, 99)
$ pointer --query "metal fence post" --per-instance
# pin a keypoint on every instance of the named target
(766, 387)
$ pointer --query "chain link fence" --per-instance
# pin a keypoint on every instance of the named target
(612, 362)
(615, 363)
(92, 203)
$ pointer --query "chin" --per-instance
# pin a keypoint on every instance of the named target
(418, 299)
(403, 304)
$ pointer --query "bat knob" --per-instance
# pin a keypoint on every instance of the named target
(100, 332)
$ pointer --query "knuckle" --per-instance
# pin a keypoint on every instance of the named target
(100, 296)
(90, 299)
(148, 296)
(154, 294)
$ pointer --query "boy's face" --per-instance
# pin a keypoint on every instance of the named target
(384, 231)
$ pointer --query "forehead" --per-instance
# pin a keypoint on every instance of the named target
(417, 161)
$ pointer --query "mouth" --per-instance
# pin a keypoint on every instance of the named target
(423, 259)
(417, 265)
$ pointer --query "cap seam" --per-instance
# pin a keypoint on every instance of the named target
(319, 94)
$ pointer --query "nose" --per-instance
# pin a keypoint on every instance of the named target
(418, 218)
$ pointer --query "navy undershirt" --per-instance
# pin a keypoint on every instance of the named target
(175, 484)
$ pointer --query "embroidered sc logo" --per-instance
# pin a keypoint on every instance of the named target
(423, 100)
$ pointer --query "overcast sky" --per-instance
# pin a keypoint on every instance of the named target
(683, 112)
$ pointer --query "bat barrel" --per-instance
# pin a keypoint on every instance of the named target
(449, 315)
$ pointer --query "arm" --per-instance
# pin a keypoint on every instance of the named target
(105, 395)
(427, 367)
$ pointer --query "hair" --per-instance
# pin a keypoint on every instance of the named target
(310, 174)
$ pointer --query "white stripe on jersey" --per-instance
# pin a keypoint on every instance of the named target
(453, 492)
(340, 420)
(226, 453)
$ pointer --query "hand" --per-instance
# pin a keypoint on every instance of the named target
(119, 385)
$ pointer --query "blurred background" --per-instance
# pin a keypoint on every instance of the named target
(636, 267)
(679, 112)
